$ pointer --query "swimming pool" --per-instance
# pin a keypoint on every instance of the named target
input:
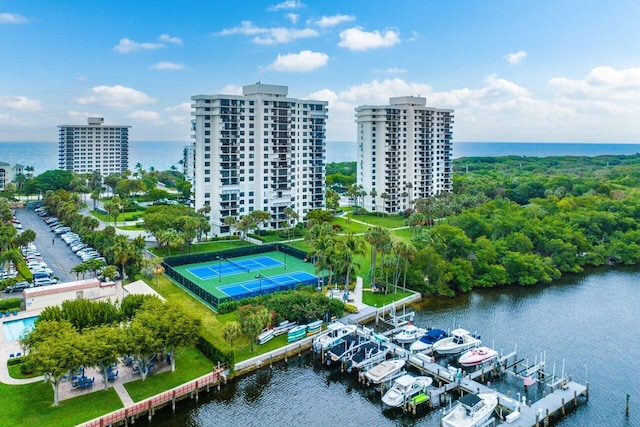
(14, 329)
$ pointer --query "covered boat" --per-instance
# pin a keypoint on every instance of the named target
(384, 371)
(408, 334)
(283, 327)
(425, 343)
(477, 356)
(404, 388)
(334, 335)
(343, 349)
(314, 327)
(459, 341)
(266, 335)
(369, 354)
(297, 333)
(471, 411)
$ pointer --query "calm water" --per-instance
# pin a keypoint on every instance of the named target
(589, 321)
(162, 155)
(43, 156)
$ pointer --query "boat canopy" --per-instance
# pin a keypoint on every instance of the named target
(470, 400)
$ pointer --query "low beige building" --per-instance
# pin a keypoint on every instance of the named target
(41, 297)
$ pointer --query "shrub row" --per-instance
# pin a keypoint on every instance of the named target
(213, 353)
(10, 304)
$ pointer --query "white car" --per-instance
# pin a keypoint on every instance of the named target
(44, 282)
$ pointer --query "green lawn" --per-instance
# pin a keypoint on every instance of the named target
(393, 221)
(404, 233)
(125, 216)
(190, 364)
(379, 300)
(15, 372)
(31, 405)
(136, 227)
(349, 226)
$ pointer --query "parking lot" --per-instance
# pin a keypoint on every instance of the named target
(53, 250)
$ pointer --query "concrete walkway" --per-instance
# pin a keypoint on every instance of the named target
(123, 394)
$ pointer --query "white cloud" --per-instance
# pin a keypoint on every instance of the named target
(231, 90)
(288, 4)
(144, 116)
(12, 18)
(269, 35)
(81, 114)
(169, 39)
(357, 39)
(127, 46)
(167, 66)
(392, 70)
(293, 17)
(21, 103)
(331, 21)
(516, 58)
(303, 61)
(180, 114)
(602, 83)
(115, 96)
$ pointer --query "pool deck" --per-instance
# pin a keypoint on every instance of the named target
(13, 347)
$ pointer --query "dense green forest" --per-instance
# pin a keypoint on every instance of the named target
(525, 220)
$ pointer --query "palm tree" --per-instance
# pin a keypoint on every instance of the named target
(373, 193)
(290, 214)
(230, 332)
(95, 196)
(384, 197)
(376, 237)
(122, 252)
(348, 248)
(230, 221)
(405, 251)
(157, 270)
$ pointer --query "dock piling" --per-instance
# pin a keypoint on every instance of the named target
(627, 409)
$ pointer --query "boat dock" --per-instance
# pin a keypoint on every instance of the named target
(559, 396)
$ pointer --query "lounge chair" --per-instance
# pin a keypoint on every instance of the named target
(15, 312)
(18, 354)
(11, 356)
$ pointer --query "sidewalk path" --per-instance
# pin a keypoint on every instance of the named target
(123, 394)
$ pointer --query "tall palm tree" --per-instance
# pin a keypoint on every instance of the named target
(349, 247)
(376, 237)
(373, 193)
(290, 214)
(384, 197)
(122, 252)
(230, 221)
(406, 252)
(157, 270)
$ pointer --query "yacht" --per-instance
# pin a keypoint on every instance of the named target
(425, 343)
(334, 335)
(404, 388)
(459, 341)
(477, 356)
(472, 410)
(384, 371)
(408, 334)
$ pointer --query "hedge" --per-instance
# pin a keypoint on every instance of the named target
(15, 361)
(10, 304)
(213, 353)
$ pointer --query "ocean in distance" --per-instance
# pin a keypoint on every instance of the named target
(162, 155)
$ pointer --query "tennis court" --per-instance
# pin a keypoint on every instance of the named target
(222, 279)
(227, 267)
(268, 284)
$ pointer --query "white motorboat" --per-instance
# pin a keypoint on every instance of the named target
(334, 335)
(459, 341)
(477, 356)
(471, 411)
(384, 371)
(425, 343)
(404, 388)
(408, 334)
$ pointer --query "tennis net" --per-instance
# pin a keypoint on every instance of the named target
(242, 267)
(268, 280)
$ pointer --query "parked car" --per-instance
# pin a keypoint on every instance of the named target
(44, 282)
(17, 287)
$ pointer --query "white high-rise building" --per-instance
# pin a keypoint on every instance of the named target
(404, 152)
(93, 147)
(188, 163)
(259, 151)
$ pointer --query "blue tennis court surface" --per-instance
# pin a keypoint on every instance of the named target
(268, 284)
(226, 267)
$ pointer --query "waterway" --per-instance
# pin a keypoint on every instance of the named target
(589, 321)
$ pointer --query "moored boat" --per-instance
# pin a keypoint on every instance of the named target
(425, 343)
(477, 356)
(368, 354)
(404, 388)
(408, 334)
(472, 410)
(384, 371)
(343, 349)
(334, 335)
(297, 333)
(459, 341)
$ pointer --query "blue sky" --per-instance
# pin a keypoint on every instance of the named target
(565, 71)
